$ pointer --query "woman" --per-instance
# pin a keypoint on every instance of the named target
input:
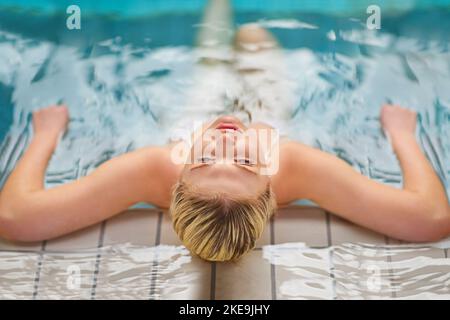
(220, 204)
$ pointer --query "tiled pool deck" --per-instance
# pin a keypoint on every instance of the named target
(43, 265)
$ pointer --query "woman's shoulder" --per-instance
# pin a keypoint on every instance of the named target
(164, 171)
(160, 159)
(291, 155)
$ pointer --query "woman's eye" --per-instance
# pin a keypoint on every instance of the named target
(244, 161)
(206, 160)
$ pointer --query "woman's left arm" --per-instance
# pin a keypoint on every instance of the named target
(417, 212)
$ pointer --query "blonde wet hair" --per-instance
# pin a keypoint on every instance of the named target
(218, 227)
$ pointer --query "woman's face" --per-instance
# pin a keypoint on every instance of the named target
(227, 157)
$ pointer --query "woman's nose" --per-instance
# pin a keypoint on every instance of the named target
(227, 146)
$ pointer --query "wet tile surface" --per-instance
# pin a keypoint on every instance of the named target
(64, 276)
(248, 278)
(342, 231)
(431, 267)
(85, 238)
(135, 226)
(9, 245)
(307, 225)
(17, 275)
(168, 235)
(137, 255)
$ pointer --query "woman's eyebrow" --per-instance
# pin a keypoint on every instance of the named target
(245, 168)
(199, 166)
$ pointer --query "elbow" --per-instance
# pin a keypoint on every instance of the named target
(15, 227)
(13, 230)
(6, 221)
(441, 223)
(435, 225)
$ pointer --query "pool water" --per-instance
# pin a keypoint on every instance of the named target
(126, 73)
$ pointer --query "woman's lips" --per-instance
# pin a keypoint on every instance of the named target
(227, 123)
(227, 126)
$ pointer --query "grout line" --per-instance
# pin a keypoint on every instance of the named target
(213, 281)
(37, 277)
(328, 221)
(273, 279)
(154, 270)
(391, 272)
(98, 259)
(158, 229)
(330, 254)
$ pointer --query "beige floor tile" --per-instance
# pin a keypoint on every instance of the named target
(248, 278)
(28, 246)
(303, 273)
(168, 235)
(343, 231)
(137, 226)
(264, 240)
(392, 241)
(82, 239)
(301, 224)
(192, 282)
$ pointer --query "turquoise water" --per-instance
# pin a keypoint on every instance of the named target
(126, 73)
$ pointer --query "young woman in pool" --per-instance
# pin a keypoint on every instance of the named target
(219, 208)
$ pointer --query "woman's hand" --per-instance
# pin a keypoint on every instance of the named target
(50, 121)
(397, 120)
